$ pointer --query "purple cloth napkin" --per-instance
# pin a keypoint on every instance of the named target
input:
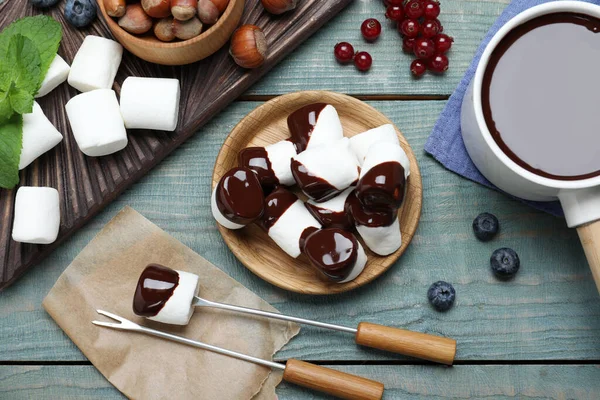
(445, 143)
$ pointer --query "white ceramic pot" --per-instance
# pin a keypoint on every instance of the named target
(580, 199)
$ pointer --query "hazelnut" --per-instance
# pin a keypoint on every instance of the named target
(135, 20)
(183, 9)
(278, 6)
(221, 4)
(185, 30)
(207, 12)
(248, 46)
(157, 8)
(163, 29)
(115, 8)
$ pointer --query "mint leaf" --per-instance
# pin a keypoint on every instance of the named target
(11, 141)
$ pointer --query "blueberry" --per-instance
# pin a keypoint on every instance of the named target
(43, 3)
(485, 226)
(80, 13)
(505, 262)
(441, 295)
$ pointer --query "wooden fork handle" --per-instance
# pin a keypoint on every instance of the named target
(331, 381)
(415, 344)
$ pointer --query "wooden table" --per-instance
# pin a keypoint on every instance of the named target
(537, 336)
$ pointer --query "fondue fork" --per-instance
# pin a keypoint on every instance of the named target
(332, 382)
(415, 344)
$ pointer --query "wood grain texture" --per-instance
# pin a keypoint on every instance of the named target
(86, 184)
(503, 382)
(550, 311)
(267, 125)
(589, 234)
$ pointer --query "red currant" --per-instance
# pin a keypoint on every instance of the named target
(413, 9)
(429, 29)
(423, 48)
(371, 29)
(409, 28)
(442, 43)
(363, 61)
(344, 52)
(439, 63)
(418, 68)
(439, 24)
(408, 44)
(431, 9)
(394, 13)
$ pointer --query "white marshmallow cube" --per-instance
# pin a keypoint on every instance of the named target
(96, 122)
(361, 143)
(37, 215)
(178, 309)
(327, 129)
(280, 156)
(288, 229)
(382, 152)
(150, 103)
(359, 264)
(39, 136)
(336, 204)
(57, 74)
(96, 63)
(382, 240)
(221, 219)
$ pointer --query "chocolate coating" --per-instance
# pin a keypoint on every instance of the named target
(239, 196)
(331, 219)
(275, 205)
(302, 122)
(370, 218)
(257, 159)
(383, 186)
(313, 186)
(305, 234)
(154, 288)
(333, 252)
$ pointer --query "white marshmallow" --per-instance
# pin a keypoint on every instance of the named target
(381, 152)
(150, 103)
(359, 265)
(334, 163)
(37, 215)
(280, 156)
(96, 122)
(96, 63)
(382, 240)
(221, 219)
(287, 230)
(178, 309)
(361, 143)
(335, 204)
(328, 128)
(39, 136)
(57, 74)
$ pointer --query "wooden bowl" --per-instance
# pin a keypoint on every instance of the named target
(266, 125)
(149, 48)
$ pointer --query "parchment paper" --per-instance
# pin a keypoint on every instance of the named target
(104, 276)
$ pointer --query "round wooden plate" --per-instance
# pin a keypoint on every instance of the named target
(266, 125)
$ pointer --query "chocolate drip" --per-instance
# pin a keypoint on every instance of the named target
(313, 186)
(257, 159)
(382, 187)
(370, 218)
(239, 196)
(304, 236)
(331, 219)
(333, 252)
(275, 205)
(154, 288)
(302, 122)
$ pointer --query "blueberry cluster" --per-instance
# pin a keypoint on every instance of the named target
(79, 13)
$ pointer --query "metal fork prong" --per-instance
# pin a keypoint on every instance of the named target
(124, 323)
(107, 324)
(111, 315)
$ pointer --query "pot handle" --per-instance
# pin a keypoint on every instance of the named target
(589, 235)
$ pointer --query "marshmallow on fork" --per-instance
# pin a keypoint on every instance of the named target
(237, 199)
(272, 164)
(95, 65)
(165, 295)
(37, 215)
(96, 122)
(336, 254)
(287, 221)
(324, 171)
(39, 136)
(332, 213)
(57, 74)
(150, 103)
(360, 144)
(314, 125)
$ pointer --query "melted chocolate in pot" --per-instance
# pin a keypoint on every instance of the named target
(333, 252)
(302, 122)
(257, 159)
(313, 186)
(383, 186)
(239, 196)
(155, 286)
(370, 218)
(275, 205)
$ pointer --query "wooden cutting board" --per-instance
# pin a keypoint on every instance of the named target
(86, 185)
